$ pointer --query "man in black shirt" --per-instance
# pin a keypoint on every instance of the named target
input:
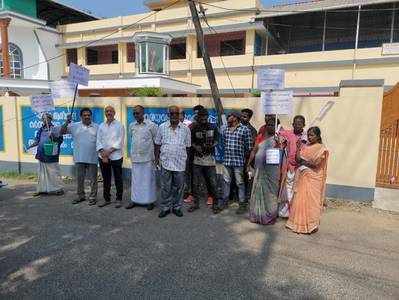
(204, 138)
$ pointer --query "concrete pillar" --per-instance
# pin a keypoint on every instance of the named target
(4, 23)
(250, 42)
(122, 57)
(191, 54)
(82, 56)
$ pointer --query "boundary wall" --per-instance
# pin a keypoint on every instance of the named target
(350, 129)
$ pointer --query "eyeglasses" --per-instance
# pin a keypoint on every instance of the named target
(136, 113)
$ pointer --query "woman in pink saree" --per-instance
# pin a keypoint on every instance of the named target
(310, 182)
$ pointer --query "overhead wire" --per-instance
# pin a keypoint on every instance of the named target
(88, 44)
(221, 59)
(107, 35)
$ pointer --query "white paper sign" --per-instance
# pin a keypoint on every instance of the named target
(42, 103)
(277, 102)
(32, 151)
(271, 79)
(272, 156)
(78, 74)
(62, 89)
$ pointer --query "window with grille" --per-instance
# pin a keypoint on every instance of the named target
(16, 61)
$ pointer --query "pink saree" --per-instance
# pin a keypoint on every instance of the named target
(309, 190)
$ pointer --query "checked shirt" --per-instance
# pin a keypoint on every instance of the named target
(237, 144)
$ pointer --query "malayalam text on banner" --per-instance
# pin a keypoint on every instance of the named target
(78, 74)
(271, 79)
(31, 123)
(277, 102)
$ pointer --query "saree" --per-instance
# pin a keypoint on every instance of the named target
(263, 206)
(309, 190)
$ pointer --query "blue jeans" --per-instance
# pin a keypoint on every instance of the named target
(172, 188)
(238, 173)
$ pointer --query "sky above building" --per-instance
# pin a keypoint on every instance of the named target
(106, 8)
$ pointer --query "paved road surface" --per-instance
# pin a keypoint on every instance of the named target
(52, 249)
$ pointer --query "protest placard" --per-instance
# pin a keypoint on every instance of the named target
(78, 74)
(42, 103)
(270, 79)
(277, 102)
(62, 89)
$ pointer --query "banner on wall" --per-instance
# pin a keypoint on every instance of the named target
(1, 129)
(31, 123)
(159, 115)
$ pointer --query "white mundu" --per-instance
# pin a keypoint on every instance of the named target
(142, 157)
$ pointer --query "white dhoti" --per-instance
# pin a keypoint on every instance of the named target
(49, 178)
(287, 194)
(143, 183)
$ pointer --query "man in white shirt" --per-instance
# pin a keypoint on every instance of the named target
(142, 133)
(84, 136)
(171, 145)
(110, 141)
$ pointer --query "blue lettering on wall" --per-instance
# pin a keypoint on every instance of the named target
(159, 115)
(31, 123)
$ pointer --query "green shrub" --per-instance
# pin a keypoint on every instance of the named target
(147, 92)
(255, 93)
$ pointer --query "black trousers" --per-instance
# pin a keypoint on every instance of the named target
(204, 183)
(115, 167)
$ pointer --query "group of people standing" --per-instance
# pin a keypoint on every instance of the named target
(278, 172)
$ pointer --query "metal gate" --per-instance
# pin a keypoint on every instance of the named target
(388, 158)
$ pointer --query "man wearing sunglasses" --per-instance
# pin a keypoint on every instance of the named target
(171, 146)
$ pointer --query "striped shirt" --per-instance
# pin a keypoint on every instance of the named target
(173, 146)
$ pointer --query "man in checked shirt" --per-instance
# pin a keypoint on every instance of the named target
(237, 141)
(171, 145)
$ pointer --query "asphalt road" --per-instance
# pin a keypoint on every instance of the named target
(50, 248)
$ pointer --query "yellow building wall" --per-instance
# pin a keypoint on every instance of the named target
(350, 129)
(302, 69)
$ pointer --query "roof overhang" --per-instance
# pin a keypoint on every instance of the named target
(21, 20)
(166, 84)
(25, 87)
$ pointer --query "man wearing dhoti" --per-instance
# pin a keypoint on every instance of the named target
(142, 134)
(289, 140)
(48, 141)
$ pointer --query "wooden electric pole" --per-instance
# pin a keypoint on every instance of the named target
(207, 62)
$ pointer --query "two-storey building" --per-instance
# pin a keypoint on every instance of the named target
(318, 43)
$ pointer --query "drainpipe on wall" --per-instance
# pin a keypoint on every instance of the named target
(356, 42)
(393, 22)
